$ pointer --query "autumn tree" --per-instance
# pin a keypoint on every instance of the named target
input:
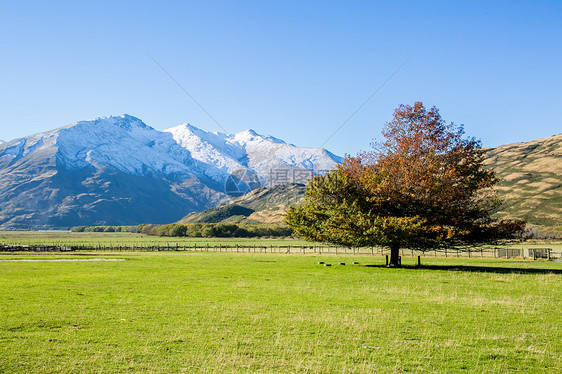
(423, 187)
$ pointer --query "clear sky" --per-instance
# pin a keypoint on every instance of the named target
(292, 69)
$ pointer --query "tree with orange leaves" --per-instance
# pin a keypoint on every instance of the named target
(423, 187)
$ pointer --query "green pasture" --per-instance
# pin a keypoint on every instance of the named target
(125, 239)
(271, 313)
(128, 239)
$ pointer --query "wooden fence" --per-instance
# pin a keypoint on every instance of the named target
(295, 249)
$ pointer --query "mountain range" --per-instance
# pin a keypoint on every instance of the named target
(119, 171)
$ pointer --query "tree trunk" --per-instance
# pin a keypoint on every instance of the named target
(394, 255)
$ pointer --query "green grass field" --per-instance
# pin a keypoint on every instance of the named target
(231, 313)
(64, 238)
(127, 239)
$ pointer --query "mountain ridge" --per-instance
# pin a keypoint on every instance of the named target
(118, 170)
(99, 171)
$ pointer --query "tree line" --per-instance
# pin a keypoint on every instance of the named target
(195, 230)
(132, 229)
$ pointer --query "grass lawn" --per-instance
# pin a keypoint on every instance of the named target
(231, 313)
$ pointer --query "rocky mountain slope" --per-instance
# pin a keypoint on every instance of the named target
(120, 171)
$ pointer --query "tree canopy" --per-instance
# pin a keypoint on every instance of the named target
(424, 186)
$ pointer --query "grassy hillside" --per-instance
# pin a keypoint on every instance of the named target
(530, 180)
(261, 206)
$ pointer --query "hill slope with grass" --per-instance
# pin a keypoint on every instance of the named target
(261, 206)
(530, 180)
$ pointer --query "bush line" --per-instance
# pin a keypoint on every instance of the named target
(195, 230)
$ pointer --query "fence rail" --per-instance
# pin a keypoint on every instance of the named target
(534, 253)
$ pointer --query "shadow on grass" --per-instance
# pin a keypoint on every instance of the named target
(476, 269)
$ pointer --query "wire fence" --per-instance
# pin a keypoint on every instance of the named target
(481, 252)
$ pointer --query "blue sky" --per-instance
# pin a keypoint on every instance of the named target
(292, 69)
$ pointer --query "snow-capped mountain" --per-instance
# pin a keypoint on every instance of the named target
(122, 143)
(118, 170)
(249, 151)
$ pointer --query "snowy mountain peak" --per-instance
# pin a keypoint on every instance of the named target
(187, 129)
(125, 121)
(127, 144)
(248, 152)
(123, 143)
(248, 132)
(250, 136)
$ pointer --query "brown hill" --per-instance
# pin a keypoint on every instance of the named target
(261, 206)
(530, 180)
